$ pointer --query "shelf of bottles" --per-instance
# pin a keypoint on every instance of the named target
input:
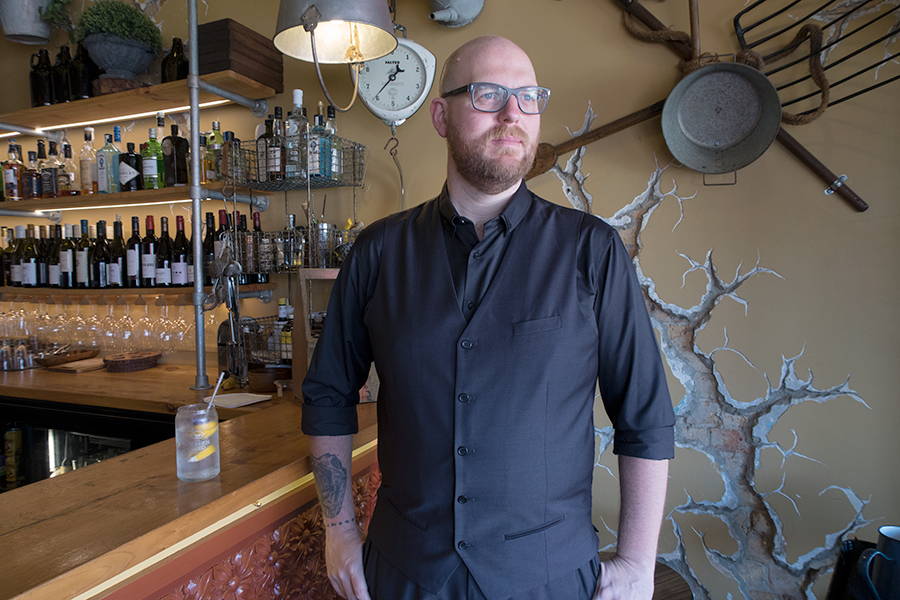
(299, 163)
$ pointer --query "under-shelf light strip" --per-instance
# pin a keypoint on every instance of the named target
(121, 118)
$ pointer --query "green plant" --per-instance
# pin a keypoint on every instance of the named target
(57, 14)
(121, 19)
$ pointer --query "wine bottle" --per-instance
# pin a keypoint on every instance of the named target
(53, 256)
(133, 255)
(83, 249)
(175, 163)
(181, 255)
(149, 246)
(28, 259)
(100, 258)
(87, 162)
(209, 247)
(130, 176)
(152, 163)
(116, 268)
(67, 258)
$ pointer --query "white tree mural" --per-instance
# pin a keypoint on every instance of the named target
(731, 433)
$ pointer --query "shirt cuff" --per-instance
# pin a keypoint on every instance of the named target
(329, 420)
(653, 444)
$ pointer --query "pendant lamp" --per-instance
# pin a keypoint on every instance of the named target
(334, 32)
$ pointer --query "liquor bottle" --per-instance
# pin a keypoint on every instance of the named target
(319, 148)
(164, 255)
(100, 258)
(66, 177)
(83, 249)
(87, 162)
(209, 247)
(214, 146)
(174, 66)
(130, 176)
(12, 174)
(175, 163)
(257, 234)
(61, 92)
(220, 240)
(53, 274)
(181, 255)
(337, 154)
(31, 178)
(275, 147)
(133, 255)
(152, 163)
(149, 246)
(108, 165)
(116, 268)
(82, 72)
(67, 258)
(41, 79)
(296, 128)
(43, 266)
(27, 257)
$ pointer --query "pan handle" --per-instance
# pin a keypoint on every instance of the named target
(804, 156)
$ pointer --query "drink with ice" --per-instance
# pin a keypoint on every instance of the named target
(197, 442)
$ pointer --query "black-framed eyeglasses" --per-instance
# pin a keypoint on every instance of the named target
(492, 97)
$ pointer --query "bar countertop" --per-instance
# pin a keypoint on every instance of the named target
(62, 537)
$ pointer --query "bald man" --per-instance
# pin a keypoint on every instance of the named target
(491, 316)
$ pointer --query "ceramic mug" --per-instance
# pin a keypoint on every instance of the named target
(880, 566)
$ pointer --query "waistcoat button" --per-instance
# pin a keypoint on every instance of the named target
(462, 450)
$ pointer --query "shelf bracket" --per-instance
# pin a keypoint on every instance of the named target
(257, 107)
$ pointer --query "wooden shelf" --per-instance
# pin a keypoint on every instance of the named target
(173, 194)
(110, 107)
(10, 293)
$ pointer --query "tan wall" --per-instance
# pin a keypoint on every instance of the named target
(838, 284)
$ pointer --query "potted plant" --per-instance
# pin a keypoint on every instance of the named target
(119, 37)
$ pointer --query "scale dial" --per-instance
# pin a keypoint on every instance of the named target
(395, 86)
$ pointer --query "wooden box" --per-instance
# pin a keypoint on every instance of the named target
(226, 45)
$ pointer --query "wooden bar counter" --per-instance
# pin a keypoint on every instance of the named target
(128, 528)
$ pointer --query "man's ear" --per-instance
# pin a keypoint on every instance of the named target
(439, 116)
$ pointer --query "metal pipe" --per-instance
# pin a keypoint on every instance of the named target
(201, 381)
(257, 107)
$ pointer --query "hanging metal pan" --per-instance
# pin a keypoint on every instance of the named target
(721, 117)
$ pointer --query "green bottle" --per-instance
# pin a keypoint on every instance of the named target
(152, 163)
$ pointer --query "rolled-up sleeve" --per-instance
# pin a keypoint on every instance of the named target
(630, 372)
(342, 358)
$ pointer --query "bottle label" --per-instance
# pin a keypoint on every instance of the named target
(150, 167)
(66, 264)
(81, 266)
(163, 276)
(127, 173)
(102, 180)
(148, 266)
(114, 274)
(179, 273)
(29, 273)
(133, 263)
(54, 275)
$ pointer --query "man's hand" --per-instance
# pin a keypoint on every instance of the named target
(621, 580)
(343, 560)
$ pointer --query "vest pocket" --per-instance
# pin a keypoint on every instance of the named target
(404, 516)
(544, 527)
(537, 325)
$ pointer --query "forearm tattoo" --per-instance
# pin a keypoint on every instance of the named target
(331, 482)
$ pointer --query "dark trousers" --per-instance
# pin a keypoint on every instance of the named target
(386, 582)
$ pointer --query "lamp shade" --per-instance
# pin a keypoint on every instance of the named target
(346, 31)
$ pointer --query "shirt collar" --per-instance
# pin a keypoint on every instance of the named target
(510, 217)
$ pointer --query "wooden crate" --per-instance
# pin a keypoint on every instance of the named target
(226, 45)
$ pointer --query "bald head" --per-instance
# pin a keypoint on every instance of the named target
(482, 55)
